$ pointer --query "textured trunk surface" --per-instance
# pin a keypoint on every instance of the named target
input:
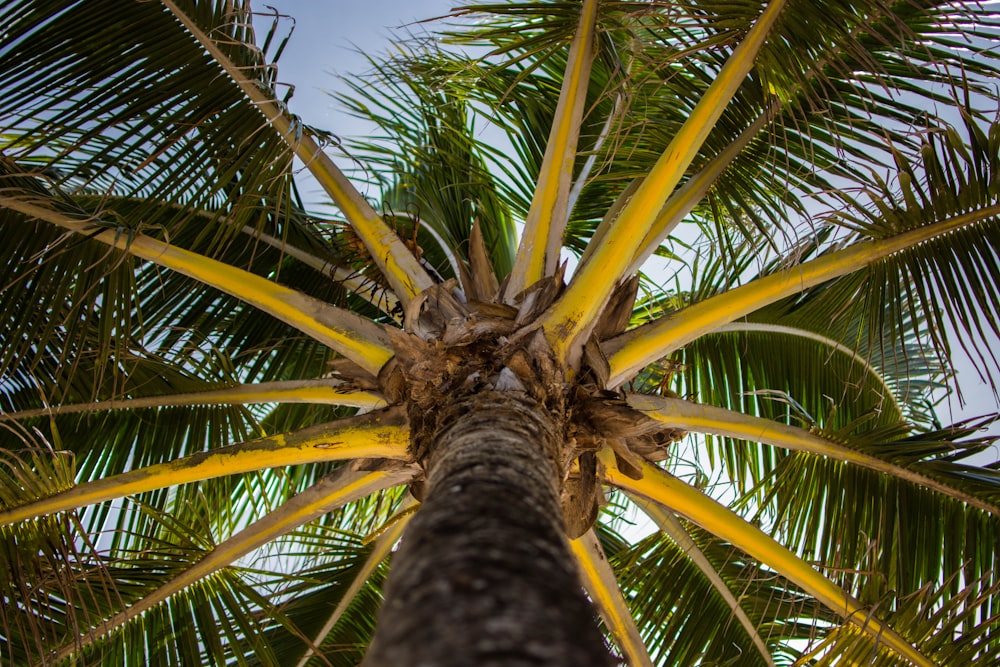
(484, 576)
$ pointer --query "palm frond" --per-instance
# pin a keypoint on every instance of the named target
(689, 621)
(382, 435)
(880, 450)
(672, 526)
(339, 488)
(436, 174)
(549, 212)
(573, 314)
(602, 586)
(658, 486)
(382, 544)
(939, 236)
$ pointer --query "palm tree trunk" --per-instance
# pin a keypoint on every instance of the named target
(484, 575)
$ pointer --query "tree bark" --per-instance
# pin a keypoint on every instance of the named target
(484, 575)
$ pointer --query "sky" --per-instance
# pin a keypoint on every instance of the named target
(327, 37)
(325, 43)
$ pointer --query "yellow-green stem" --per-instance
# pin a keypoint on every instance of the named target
(380, 435)
(359, 339)
(630, 352)
(320, 392)
(602, 586)
(400, 267)
(694, 190)
(346, 485)
(659, 486)
(541, 238)
(570, 319)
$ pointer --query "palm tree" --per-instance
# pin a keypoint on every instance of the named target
(221, 412)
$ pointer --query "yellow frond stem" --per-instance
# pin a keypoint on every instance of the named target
(382, 435)
(602, 586)
(541, 239)
(661, 487)
(672, 527)
(689, 416)
(400, 267)
(694, 190)
(318, 392)
(567, 323)
(341, 487)
(630, 352)
(383, 544)
(360, 340)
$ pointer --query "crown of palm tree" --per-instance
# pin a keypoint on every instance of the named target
(221, 412)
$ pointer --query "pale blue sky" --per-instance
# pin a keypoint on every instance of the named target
(327, 35)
